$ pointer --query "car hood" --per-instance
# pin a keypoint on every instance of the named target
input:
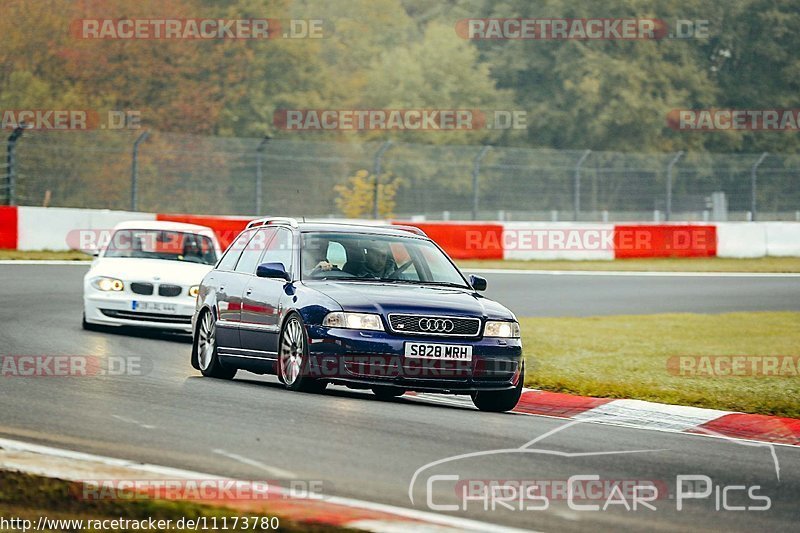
(385, 298)
(131, 269)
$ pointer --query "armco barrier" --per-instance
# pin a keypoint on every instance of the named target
(8, 228)
(664, 240)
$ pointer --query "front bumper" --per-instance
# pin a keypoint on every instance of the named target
(372, 358)
(117, 309)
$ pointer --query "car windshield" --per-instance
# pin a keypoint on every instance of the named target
(160, 244)
(375, 257)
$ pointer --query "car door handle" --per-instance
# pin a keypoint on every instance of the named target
(249, 290)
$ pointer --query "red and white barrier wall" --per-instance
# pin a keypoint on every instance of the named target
(48, 228)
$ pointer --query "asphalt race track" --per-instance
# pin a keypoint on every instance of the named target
(367, 449)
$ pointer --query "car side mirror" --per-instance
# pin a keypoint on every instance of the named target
(273, 270)
(478, 282)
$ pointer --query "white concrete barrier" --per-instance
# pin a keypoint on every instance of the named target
(741, 239)
(783, 238)
(47, 228)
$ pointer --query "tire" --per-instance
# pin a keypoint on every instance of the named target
(205, 348)
(387, 393)
(499, 401)
(293, 357)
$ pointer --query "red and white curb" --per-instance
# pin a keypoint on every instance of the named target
(333, 511)
(651, 415)
(647, 415)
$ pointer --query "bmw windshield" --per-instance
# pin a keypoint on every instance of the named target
(159, 244)
(375, 257)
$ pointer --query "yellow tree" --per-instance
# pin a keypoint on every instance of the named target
(356, 197)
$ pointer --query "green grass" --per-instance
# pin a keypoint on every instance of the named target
(72, 255)
(626, 357)
(29, 497)
(698, 264)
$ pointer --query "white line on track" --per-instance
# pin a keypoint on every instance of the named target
(271, 470)
(458, 523)
(134, 422)
(636, 274)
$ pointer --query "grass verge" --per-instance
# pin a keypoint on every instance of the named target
(627, 357)
(667, 264)
(40, 255)
(29, 497)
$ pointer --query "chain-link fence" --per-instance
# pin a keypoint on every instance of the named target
(199, 174)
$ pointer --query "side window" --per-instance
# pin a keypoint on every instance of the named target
(234, 251)
(280, 250)
(252, 252)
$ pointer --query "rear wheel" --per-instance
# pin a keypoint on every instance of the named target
(499, 401)
(387, 393)
(205, 346)
(293, 358)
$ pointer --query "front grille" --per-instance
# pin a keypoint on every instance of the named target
(142, 288)
(148, 317)
(444, 326)
(169, 290)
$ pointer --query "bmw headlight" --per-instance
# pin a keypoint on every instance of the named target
(506, 330)
(353, 321)
(194, 290)
(108, 284)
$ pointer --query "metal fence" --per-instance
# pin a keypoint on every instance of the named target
(170, 172)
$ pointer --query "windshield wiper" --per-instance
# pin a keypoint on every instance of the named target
(431, 283)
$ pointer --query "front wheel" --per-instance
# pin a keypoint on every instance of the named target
(205, 346)
(499, 401)
(293, 358)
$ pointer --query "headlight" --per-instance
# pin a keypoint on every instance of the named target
(194, 290)
(353, 321)
(108, 284)
(507, 330)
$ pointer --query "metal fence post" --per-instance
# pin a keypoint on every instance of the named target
(753, 185)
(11, 161)
(259, 177)
(376, 171)
(135, 170)
(476, 170)
(576, 200)
(668, 210)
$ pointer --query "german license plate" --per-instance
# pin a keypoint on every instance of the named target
(153, 307)
(441, 352)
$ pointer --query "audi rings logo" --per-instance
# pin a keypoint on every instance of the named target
(437, 325)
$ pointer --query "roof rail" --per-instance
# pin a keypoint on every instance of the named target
(277, 221)
(412, 229)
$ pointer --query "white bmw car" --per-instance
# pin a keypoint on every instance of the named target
(148, 274)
